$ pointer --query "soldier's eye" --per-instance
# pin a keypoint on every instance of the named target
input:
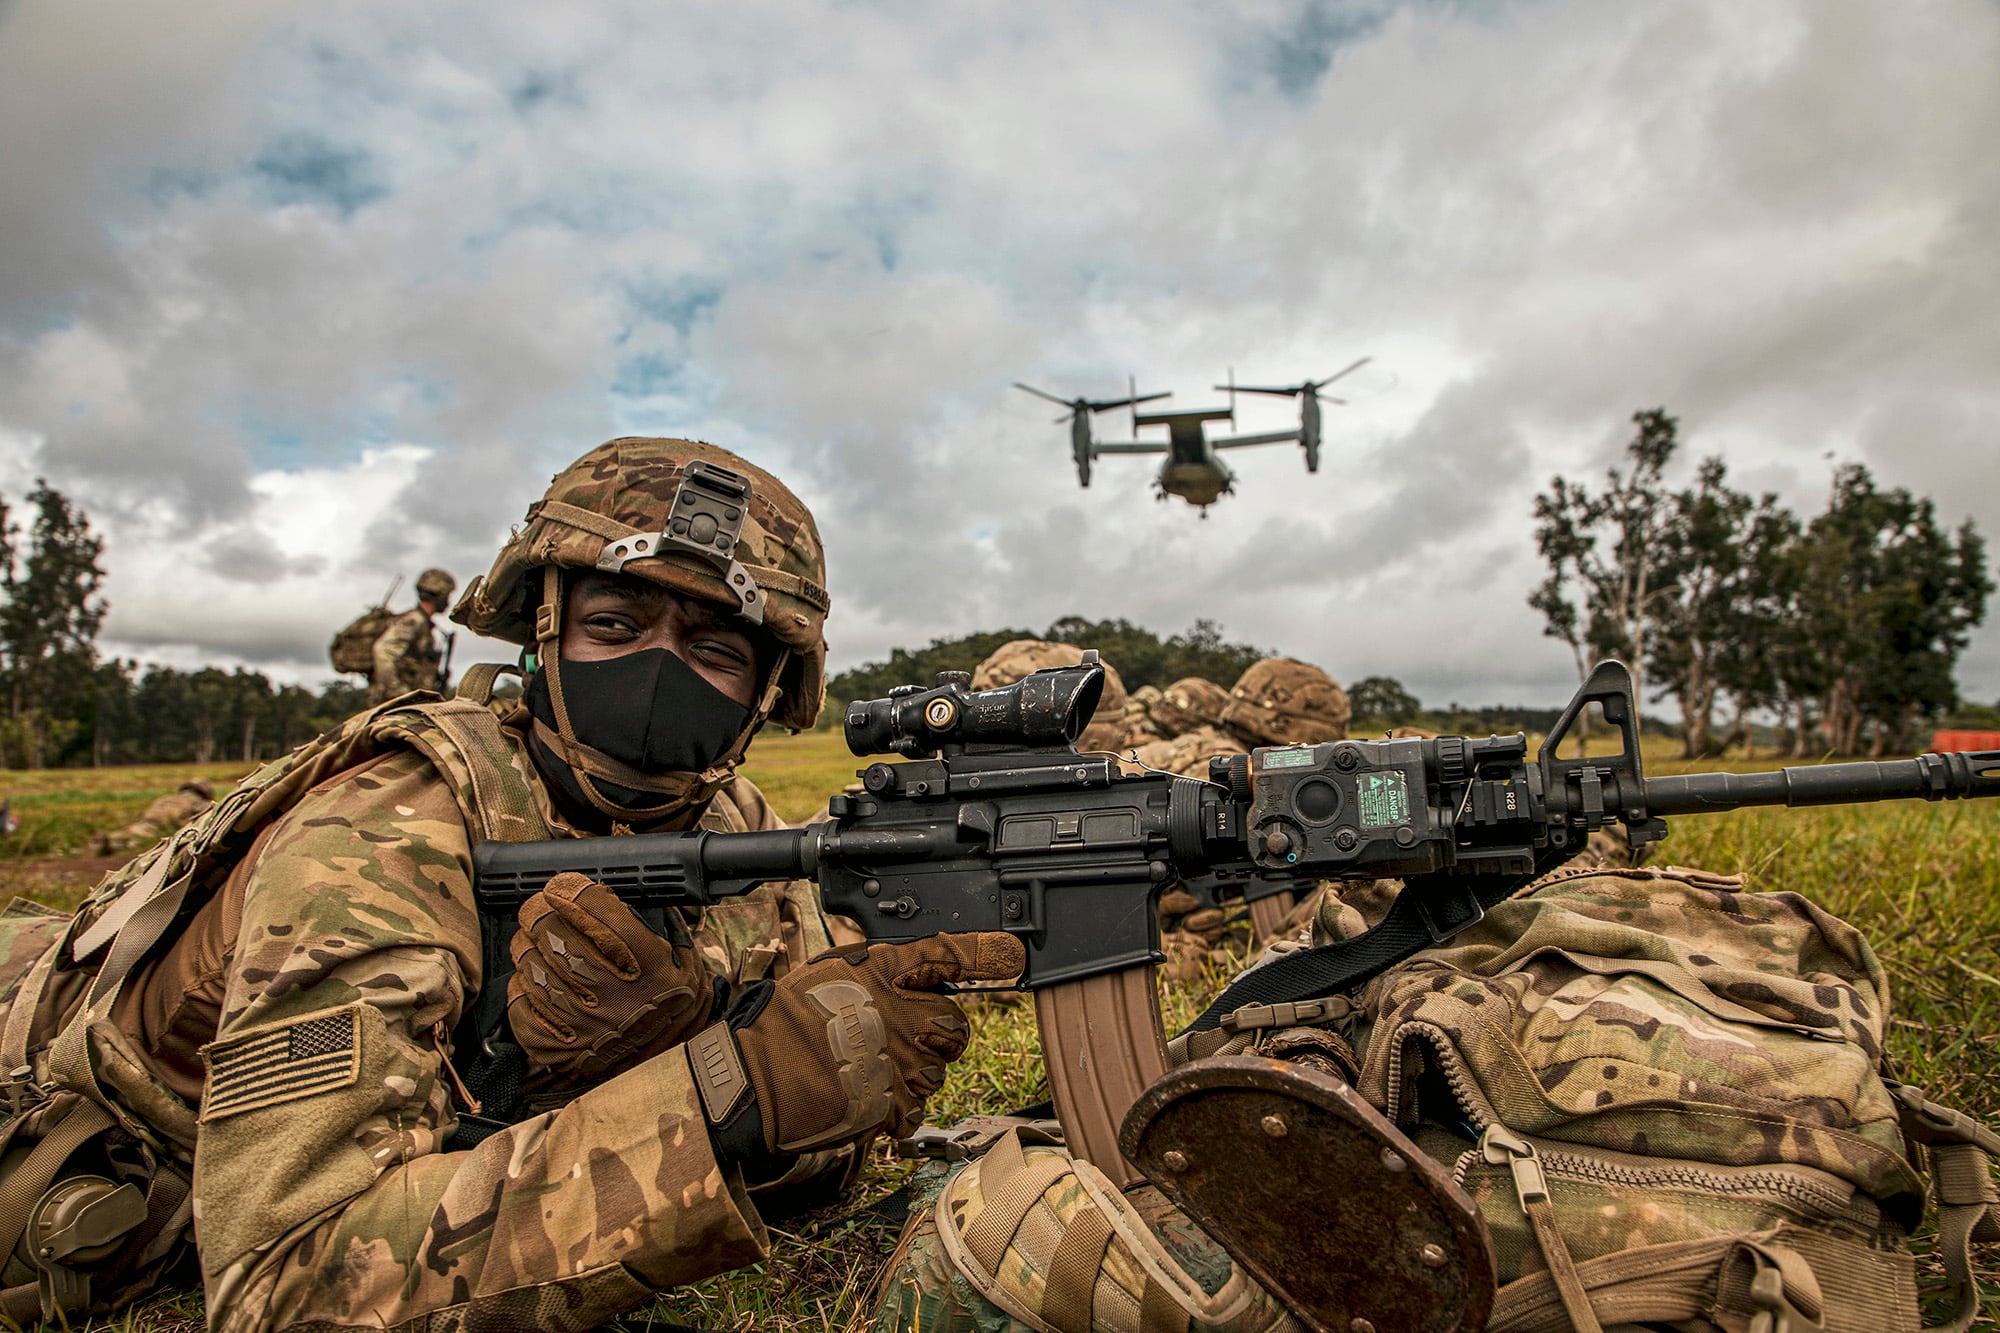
(722, 653)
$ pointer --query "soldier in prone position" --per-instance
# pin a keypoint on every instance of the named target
(172, 811)
(308, 1008)
(407, 655)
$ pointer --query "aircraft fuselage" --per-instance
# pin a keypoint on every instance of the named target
(1192, 471)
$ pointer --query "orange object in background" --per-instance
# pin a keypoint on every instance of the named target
(1965, 740)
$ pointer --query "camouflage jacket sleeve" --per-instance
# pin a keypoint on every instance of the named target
(403, 637)
(322, 1194)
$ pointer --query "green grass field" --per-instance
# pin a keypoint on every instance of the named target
(1923, 881)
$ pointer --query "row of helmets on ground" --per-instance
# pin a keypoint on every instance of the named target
(1278, 701)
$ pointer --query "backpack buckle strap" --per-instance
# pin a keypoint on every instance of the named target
(1961, 1152)
(1783, 1296)
(1499, 1145)
(22, 1092)
(1930, 1124)
(1287, 1014)
(972, 1136)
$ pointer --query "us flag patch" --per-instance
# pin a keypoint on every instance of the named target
(284, 1063)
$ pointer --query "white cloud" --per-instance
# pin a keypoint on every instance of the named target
(421, 258)
(283, 574)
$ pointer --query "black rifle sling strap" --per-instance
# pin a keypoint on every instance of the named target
(1426, 912)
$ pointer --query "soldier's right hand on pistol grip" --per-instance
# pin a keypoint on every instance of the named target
(594, 988)
(856, 1041)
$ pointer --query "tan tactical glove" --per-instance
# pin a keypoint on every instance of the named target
(850, 1044)
(594, 989)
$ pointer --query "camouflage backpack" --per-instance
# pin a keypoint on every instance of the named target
(1668, 1097)
(96, 1155)
(1664, 1094)
(353, 648)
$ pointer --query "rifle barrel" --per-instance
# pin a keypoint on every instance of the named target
(1931, 777)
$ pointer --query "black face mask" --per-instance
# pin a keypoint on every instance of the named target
(647, 709)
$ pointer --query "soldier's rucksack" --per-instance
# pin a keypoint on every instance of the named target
(353, 648)
(95, 1153)
(1669, 1098)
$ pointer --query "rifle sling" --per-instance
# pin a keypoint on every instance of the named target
(1311, 973)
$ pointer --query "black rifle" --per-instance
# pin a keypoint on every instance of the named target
(996, 822)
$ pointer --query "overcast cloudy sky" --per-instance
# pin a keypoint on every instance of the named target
(296, 298)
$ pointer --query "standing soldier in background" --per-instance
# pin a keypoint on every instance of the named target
(406, 656)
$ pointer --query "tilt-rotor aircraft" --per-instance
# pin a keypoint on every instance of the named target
(1192, 470)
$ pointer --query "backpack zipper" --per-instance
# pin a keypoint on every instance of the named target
(1784, 1184)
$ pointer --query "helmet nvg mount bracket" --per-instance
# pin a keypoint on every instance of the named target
(705, 522)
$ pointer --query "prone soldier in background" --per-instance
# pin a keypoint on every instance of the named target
(270, 1021)
(407, 655)
(170, 812)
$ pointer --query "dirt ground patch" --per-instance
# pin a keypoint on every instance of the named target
(58, 881)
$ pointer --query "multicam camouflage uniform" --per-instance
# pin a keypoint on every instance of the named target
(342, 1206)
(162, 817)
(1011, 661)
(925, 1290)
(306, 1010)
(406, 654)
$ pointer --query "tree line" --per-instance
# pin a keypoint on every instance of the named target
(65, 706)
(1844, 629)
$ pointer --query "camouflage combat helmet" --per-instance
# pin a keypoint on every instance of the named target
(1023, 657)
(1139, 725)
(1283, 701)
(436, 583)
(1188, 753)
(201, 787)
(664, 510)
(1189, 703)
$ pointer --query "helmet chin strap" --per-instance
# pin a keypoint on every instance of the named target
(684, 791)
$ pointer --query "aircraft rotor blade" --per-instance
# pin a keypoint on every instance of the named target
(1029, 388)
(1273, 391)
(1321, 384)
(1325, 398)
(1106, 405)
